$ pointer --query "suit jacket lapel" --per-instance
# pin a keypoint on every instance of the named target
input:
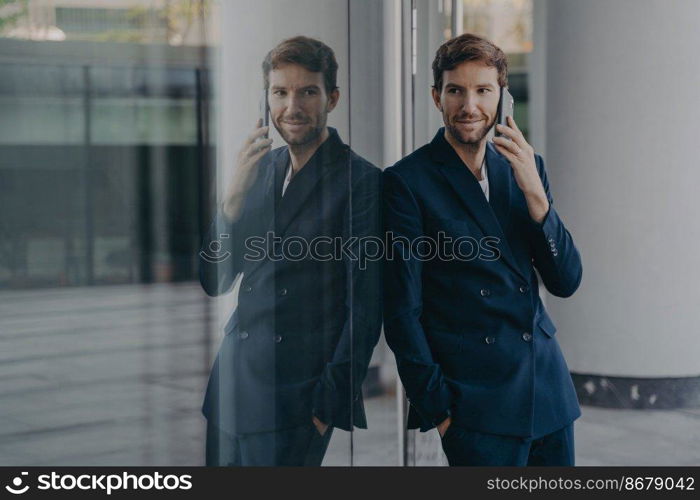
(306, 181)
(499, 174)
(280, 172)
(280, 210)
(467, 188)
(268, 196)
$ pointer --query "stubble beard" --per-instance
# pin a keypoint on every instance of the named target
(308, 138)
(469, 143)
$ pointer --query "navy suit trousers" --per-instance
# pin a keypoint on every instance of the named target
(298, 446)
(466, 447)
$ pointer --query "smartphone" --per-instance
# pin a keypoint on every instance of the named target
(505, 108)
(264, 111)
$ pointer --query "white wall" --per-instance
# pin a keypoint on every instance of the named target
(622, 106)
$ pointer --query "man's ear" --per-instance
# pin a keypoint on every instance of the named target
(333, 99)
(436, 98)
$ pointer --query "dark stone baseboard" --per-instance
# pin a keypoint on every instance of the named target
(637, 393)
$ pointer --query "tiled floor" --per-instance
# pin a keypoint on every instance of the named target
(114, 376)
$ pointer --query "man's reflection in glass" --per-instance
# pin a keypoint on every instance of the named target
(293, 223)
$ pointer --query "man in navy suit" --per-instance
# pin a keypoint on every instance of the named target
(298, 345)
(469, 223)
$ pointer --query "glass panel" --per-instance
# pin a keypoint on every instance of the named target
(299, 322)
(105, 151)
(140, 105)
(371, 126)
(42, 104)
(508, 23)
(431, 22)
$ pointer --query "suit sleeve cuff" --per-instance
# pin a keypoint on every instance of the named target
(541, 225)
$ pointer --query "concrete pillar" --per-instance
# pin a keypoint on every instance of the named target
(621, 133)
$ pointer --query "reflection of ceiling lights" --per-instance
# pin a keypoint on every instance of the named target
(44, 33)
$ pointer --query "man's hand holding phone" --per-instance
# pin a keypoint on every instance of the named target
(246, 170)
(521, 155)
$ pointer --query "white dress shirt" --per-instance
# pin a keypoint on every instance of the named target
(485, 183)
(287, 178)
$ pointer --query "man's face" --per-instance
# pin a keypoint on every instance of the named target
(299, 103)
(468, 101)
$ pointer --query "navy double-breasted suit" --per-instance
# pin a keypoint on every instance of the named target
(300, 340)
(470, 333)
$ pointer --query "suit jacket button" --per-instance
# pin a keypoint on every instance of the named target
(527, 337)
(278, 338)
(243, 335)
(489, 339)
(523, 288)
(485, 292)
(283, 292)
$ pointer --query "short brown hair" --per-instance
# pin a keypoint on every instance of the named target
(309, 53)
(468, 47)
